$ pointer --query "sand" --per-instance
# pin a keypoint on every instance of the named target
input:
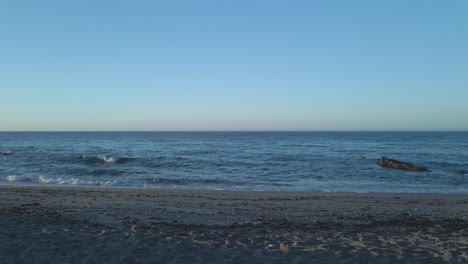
(99, 225)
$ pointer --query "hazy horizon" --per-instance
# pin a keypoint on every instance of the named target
(234, 131)
(233, 66)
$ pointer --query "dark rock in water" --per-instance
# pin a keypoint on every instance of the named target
(6, 153)
(395, 164)
(461, 172)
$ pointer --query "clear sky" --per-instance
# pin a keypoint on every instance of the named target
(233, 65)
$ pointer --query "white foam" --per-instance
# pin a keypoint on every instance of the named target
(102, 158)
(72, 181)
(55, 180)
(15, 178)
(107, 159)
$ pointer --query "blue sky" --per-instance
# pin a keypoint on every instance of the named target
(233, 65)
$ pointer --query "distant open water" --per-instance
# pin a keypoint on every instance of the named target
(281, 161)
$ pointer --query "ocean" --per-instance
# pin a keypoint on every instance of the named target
(252, 161)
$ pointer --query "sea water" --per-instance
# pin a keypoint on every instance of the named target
(279, 161)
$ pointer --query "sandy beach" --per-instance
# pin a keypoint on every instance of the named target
(98, 225)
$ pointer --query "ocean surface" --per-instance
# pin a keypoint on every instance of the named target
(280, 161)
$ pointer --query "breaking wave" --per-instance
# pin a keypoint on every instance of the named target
(14, 178)
(57, 180)
(103, 160)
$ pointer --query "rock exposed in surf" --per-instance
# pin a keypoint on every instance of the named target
(395, 164)
(6, 153)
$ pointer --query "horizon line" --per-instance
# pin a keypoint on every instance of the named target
(178, 131)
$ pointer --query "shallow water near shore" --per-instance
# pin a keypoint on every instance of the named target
(280, 161)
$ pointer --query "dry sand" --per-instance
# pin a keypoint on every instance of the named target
(97, 225)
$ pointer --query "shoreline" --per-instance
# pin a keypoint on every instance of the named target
(264, 225)
(165, 188)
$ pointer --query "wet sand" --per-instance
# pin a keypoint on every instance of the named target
(98, 225)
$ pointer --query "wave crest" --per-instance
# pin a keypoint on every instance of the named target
(103, 159)
(16, 178)
(56, 180)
